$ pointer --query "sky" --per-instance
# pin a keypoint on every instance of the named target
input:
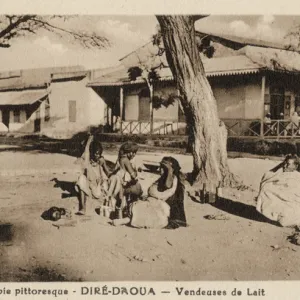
(126, 33)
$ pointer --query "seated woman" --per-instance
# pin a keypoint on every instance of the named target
(123, 183)
(92, 182)
(279, 195)
(164, 206)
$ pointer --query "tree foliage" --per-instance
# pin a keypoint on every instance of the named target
(135, 72)
(204, 43)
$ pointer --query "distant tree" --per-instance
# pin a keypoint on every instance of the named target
(148, 72)
(16, 26)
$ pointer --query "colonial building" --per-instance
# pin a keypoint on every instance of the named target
(247, 85)
(50, 101)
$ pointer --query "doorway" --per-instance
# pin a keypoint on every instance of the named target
(37, 121)
(5, 117)
(277, 106)
(144, 105)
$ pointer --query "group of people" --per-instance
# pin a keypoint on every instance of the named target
(291, 126)
(162, 207)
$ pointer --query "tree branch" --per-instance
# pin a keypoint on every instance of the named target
(82, 37)
(14, 26)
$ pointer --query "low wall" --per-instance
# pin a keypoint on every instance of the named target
(73, 146)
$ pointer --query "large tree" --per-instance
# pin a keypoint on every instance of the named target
(207, 134)
(16, 26)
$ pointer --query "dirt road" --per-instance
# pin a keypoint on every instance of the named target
(242, 247)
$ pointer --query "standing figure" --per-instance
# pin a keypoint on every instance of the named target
(92, 183)
(295, 123)
(124, 184)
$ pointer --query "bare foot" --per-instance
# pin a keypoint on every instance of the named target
(80, 213)
(118, 222)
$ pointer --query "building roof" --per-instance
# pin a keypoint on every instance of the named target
(220, 66)
(33, 78)
(273, 59)
(22, 98)
(68, 75)
(247, 60)
(232, 41)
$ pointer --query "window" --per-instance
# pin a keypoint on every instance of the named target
(17, 116)
(72, 111)
(47, 110)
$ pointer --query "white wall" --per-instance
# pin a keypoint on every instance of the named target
(96, 108)
(89, 108)
(254, 106)
(230, 98)
(131, 103)
(131, 107)
(169, 113)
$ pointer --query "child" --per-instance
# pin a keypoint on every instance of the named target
(124, 181)
(91, 182)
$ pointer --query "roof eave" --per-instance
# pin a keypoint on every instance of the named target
(20, 88)
(170, 78)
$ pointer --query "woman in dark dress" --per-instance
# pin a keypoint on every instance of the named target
(164, 206)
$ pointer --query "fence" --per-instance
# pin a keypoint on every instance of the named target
(240, 128)
(159, 127)
(250, 128)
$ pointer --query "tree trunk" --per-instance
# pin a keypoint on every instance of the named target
(207, 133)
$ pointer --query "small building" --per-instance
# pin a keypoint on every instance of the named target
(50, 101)
(247, 85)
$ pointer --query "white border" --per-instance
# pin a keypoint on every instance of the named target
(273, 290)
(148, 7)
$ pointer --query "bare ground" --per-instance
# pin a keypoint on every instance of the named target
(244, 246)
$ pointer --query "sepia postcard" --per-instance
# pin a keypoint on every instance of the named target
(149, 150)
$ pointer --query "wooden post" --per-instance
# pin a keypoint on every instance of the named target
(121, 108)
(263, 90)
(151, 109)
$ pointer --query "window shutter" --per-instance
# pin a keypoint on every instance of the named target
(72, 111)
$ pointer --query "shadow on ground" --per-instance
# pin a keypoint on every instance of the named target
(33, 272)
(67, 187)
(73, 146)
(241, 210)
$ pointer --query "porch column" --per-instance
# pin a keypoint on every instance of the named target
(151, 109)
(109, 116)
(179, 108)
(263, 90)
(121, 107)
